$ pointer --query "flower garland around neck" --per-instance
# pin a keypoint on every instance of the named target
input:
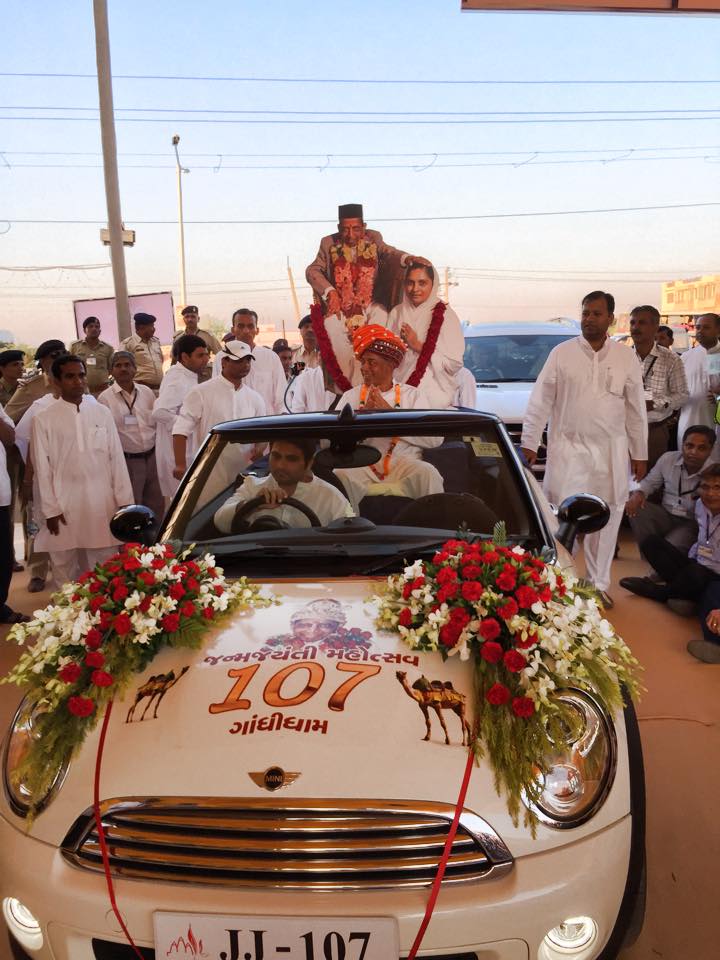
(354, 278)
(428, 348)
(326, 349)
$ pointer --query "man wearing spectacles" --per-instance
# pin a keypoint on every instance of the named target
(685, 578)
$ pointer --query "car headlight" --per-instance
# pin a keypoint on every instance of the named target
(23, 731)
(574, 779)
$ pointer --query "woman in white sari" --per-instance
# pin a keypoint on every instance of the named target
(432, 332)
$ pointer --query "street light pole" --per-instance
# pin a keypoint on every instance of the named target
(109, 148)
(180, 171)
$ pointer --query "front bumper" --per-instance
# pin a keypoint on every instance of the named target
(503, 919)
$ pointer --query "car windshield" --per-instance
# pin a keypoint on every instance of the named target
(337, 495)
(510, 357)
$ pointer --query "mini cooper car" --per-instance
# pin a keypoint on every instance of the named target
(287, 790)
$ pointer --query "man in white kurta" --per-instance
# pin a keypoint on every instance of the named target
(308, 392)
(591, 393)
(266, 375)
(192, 356)
(82, 479)
(702, 372)
(400, 471)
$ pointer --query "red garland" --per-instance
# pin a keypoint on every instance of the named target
(436, 322)
(326, 349)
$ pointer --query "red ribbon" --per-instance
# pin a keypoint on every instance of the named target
(101, 832)
(436, 322)
(434, 892)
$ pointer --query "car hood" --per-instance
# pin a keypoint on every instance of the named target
(506, 400)
(341, 712)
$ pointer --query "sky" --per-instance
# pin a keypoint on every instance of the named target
(535, 114)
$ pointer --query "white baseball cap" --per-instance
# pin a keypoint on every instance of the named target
(236, 350)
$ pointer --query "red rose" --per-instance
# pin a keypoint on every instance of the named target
(145, 604)
(187, 609)
(192, 584)
(523, 707)
(506, 581)
(122, 624)
(405, 617)
(96, 586)
(147, 578)
(440, 557)
(526, 597)
(219, 590)
(176, 591)
(192, 567)
(446, 575)
(514, 661)
(96, 603)
(497, 695)
(418, 582)
(537, 563)
(211, 571)
(94, 659)
(489, 628)
(170, 622)
(101, 678)
(534, 576)
(491, 651)
(459, 616)
(93, 639)
(169, 552)
(524, 644)
(120, 592)
(75, 597)
(406, 591)
(508, 609)
(131, 563)
(117, 582)
(158, 563)
(176, 569)
(84, 577)
(545, 594)
(471, 572)
(490, 556)
(208, 613)
(81, 706)
(106, 619)
(472, 590)
(449, 634)
(447, 592)
(70, 672)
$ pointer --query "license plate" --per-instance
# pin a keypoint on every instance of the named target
(215, 937)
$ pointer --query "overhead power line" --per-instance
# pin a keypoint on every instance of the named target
(373, 113)
(378, 219)
(373, 80)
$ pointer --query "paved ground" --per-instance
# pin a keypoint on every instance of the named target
(680, 726)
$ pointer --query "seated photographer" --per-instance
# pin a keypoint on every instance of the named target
(290, 476)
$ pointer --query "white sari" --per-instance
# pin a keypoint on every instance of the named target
(438, 382)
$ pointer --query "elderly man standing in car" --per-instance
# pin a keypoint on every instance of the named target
(663, 378)
(591, 393)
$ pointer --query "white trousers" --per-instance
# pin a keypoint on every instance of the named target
(411, 478)
(67, 565)
(599, 548)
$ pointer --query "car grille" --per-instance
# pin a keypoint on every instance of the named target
(109, 950)
(305, 844)
(515, 432)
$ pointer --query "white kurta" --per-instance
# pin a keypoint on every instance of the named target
(266, 377)
(132, 413)
(466, 393)
(408, 475)
(24, 428)
(595, 406)
(698, 409)
(307, 393)
(176, 385)
(81, 474)
(322, 498)
(438, 382)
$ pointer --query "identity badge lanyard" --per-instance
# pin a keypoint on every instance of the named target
(129, 419)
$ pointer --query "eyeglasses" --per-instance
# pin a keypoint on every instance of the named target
(710, 487)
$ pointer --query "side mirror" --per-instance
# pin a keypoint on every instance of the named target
(581, 513)
(135, 524)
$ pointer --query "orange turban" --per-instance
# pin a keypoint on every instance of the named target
(379, 339)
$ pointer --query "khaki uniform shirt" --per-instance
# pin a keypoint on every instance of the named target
(97, 360)
(28, 391)
(6, 391)
(148, 357)
(311, 358)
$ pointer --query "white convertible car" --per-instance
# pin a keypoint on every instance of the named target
(286, 792)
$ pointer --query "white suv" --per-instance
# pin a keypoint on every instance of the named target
(505, 359)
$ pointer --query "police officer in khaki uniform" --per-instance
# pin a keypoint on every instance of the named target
(11, 370)
(191, 318)
(146, 349)
(97, 356)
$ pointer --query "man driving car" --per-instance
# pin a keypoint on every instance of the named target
(290, 476)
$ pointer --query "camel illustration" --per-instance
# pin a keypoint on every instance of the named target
(436, 695)
(156, 686)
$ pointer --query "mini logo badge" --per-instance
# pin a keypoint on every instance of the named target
(274, 778)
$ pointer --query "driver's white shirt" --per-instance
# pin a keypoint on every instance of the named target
(326, 502)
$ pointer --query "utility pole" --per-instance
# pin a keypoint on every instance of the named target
(109, 148)
(294, 294)
(180, 171)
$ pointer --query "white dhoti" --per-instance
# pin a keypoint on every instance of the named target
(599, 548)
(67, 565)
(406, 478)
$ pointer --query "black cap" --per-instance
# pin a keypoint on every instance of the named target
(189, 309)
(10, 356)
(350, 211)
(49, 346)
(305, 322)
(144, 319)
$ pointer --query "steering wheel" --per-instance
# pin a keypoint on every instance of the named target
(272, 522)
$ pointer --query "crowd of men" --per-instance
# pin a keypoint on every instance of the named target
(96, 428)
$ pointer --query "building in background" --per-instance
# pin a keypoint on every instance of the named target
(686, 299)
